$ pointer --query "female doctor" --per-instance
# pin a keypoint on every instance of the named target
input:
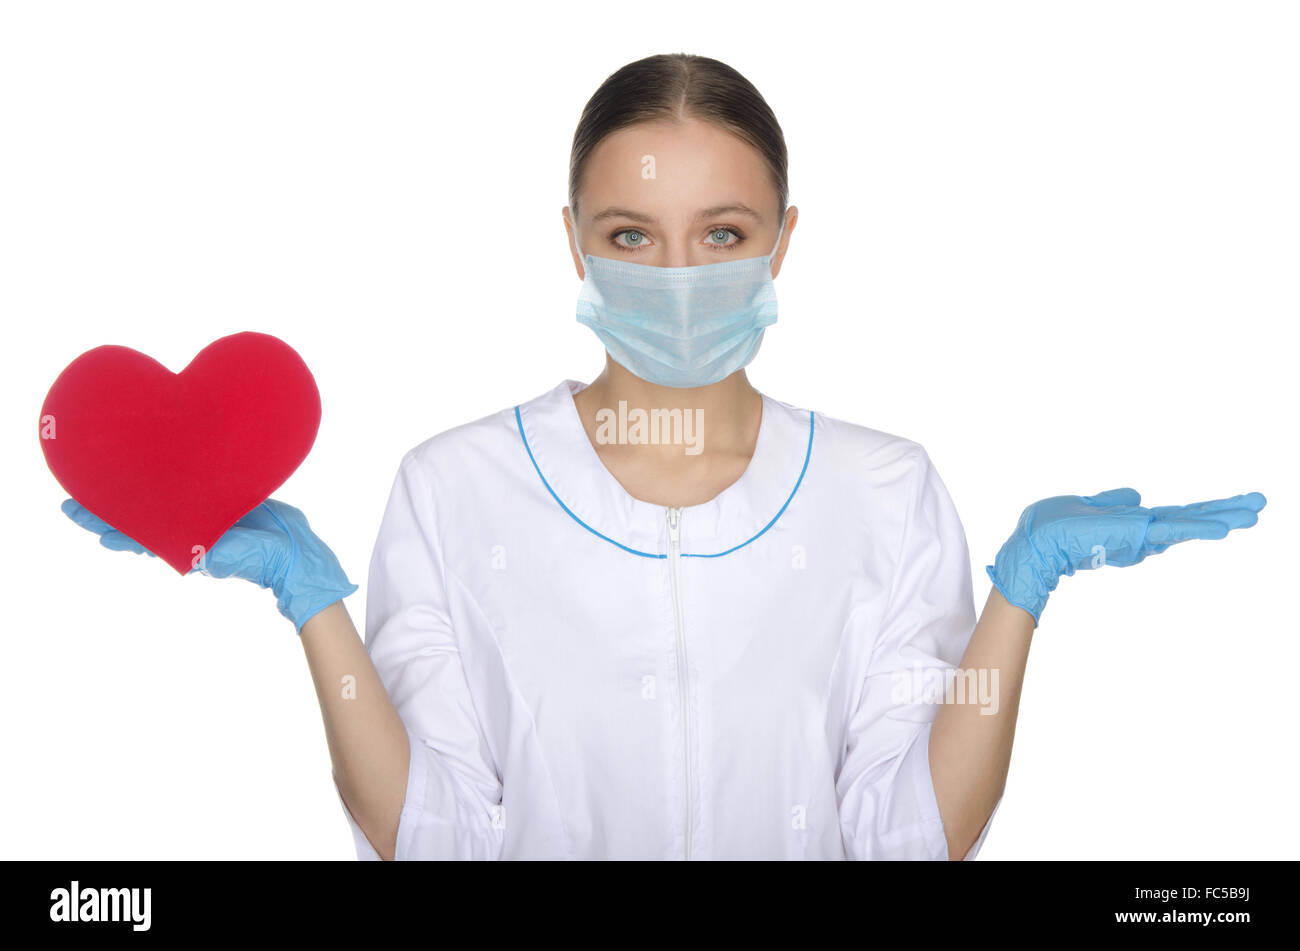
(664, 615)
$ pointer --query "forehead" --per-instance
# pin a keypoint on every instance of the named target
(670, 169)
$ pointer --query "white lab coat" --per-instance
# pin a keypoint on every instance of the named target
(578, 683)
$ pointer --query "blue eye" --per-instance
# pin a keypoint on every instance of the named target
(630, 240)
(719, 239)
(635, 239)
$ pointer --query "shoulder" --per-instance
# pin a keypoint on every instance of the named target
(466, 445)
(475, 454)
(860, 456)
(883, 482)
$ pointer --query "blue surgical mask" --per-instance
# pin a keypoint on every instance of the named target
(679, 326)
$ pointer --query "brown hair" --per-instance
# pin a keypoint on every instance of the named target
(671, 86)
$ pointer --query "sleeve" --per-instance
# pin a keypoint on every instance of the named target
(453, 790)
(888, 808)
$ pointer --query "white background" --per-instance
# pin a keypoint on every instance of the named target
(1056, 243)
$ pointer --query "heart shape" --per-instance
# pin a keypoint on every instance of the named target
(174, 459)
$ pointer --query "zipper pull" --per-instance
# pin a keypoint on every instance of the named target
(674, 517)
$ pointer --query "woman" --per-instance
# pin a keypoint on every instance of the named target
(664, 615)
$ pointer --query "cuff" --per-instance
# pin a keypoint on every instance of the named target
(300, 610)
(1034, 610)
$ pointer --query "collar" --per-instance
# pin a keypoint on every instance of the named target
(567, 465)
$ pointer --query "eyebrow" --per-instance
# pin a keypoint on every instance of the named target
(734, 207)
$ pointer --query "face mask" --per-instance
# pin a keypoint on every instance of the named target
(679, 326)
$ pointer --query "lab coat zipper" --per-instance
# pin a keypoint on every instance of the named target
(683, 689)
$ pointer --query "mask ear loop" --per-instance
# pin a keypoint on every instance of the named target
(779, 231)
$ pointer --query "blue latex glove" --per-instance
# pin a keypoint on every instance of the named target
(272, 546)
(1057, 536)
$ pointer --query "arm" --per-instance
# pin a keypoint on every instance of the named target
(451, 805)
(274, 547)
(970, 748)
(411, 763)
(367, 740)
(914, 642)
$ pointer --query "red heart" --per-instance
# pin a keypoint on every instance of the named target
(174, 459)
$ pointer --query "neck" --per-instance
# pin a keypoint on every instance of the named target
(730, 410)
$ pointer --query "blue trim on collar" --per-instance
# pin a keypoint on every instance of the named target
(646, 554)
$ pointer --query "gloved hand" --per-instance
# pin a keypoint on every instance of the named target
(272, 546)
(1059, 535)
